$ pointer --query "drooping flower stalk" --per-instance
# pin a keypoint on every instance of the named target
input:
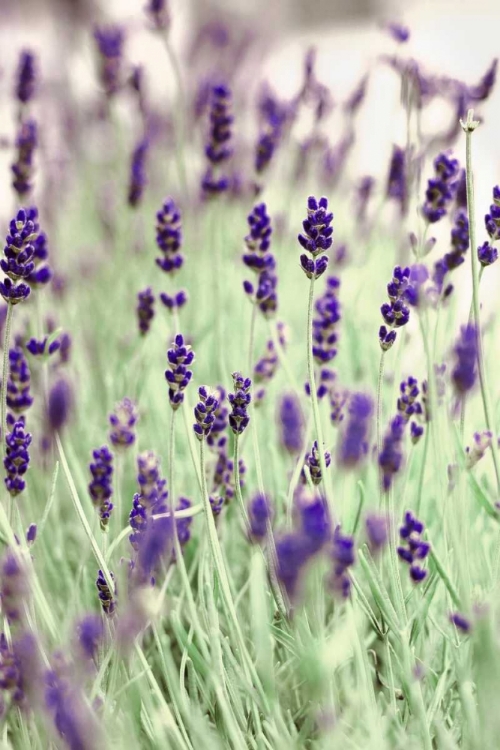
(469, 126)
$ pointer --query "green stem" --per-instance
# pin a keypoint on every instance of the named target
(314, 397)
(379, 412)
(469, 127)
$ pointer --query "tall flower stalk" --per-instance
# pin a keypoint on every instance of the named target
(469, 125)
(316, 240)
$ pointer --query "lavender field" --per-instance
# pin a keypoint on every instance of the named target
(249, 403)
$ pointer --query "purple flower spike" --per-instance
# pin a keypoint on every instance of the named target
(461, 622)
(145, 310)
(397, 180)
(487, 254)
(464, 373)
(90, 633)
(138, 179)
(292, 554)
(175, 301)
(386, 338)
(59, 405)
(441, 189)
(343, 558)
(413, 550)
(353, 445)
(313, 462)
(317, 237)
(239, 400)
(259, 514)
(291, 423)
(19, 252)
(109, 41)
(22, 169)
(158, 12)
(26, 77)
(169, 237)
(218, 149)
(325, 336)
(100, 488)
(17, 458)
(391, 456)
(261, 261)
(180, 357)
(377, 532)
(106, 597)
(123, 421)
(204, 412)
(19, 397)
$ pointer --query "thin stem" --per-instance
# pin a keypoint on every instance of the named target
(379, 411)
(314, 396)
(5, 366)
(180, 150)
(251, 409)
(179, 557)
(469, 127)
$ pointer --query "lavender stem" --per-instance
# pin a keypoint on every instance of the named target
(5, 366)
(469, 126)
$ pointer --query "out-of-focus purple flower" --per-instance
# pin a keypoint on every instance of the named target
(73, 717)
(123, 420)
(338, 400)
(31, 534)
(441, 188)
(39, 348)
(183, 525)
(398, 32)
(90, 633)
(100, 488)
(180, 358)
(464, 373)
(455, 258)
(216, 503)
(145, 309)
(487, 254)
(418, 276)
(335, 158)
(260, 513)
(482, 443)
(22, 169)
(397, 180)
(324, 324)
(391, 456)
(175, 301)
(364, 190)
(153, 493)
(266, 367)
(15, 586)
(110, 41)
(292, 554)
(413, 550)
(260, 260)
(106, 596)
(386, 338)
(290, 423)
(159, 13)
(461, 622)
(439, 372)
(204, 412)
(26, 77)
(357, 97)
(483, 89)
(354, 441)
(11, 677)
(218, 149)
(17, 458)
(59, 405)
(343, 558)
(317, 237)
(416, 432)
(324, 379)
(138, 178)
(239, 400)
(313, 463)
(377, 532)
(314, 521)
(169, 237)
(19, 252)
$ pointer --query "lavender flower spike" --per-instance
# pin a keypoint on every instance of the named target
(317, 237)
(353, 445)
(100, 488)
(106, 597)
(218, 149)
(180, 357)
(291, 423)
(239, 400)
(464, 373)
(22, 169)
(259, 515)
(169, 237)
(17, 458)
(204, 413)
(158, 12)
(26, 77)
(123, 421)
(145, 310)
(391, 456)
(19, 252)
(109, 41)
(413, 549)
